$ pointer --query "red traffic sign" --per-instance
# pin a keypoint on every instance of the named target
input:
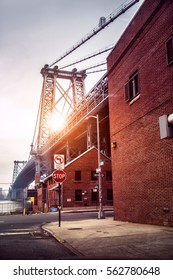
(59, 176)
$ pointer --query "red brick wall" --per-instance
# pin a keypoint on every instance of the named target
(142, 163)
(86, 163)
(39, 199)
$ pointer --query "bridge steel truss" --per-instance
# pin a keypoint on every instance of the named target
(56, 100)
(41, 160)
(62, 92)
(90, 104)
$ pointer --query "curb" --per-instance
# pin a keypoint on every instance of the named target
(63, 242)
(83, 210)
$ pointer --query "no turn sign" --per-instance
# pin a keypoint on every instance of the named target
(58, 161)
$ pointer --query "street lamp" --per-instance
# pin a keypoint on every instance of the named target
(100, 212)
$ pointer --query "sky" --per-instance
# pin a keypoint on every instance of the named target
(34, 33)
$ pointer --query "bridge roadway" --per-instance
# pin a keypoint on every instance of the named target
(95, 102)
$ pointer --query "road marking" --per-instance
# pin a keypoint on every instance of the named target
(14, 233)
(20, 229)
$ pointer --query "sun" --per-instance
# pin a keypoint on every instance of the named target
(57, 122)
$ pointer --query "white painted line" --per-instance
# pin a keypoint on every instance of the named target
(19, 229)
(14, 233)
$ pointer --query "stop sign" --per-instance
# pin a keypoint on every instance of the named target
(59, 176)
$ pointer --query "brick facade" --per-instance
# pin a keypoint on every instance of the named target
(142, 163)
(80, 188)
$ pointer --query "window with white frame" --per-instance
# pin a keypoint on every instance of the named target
(94, 194)
(169, 50)
(132, 87)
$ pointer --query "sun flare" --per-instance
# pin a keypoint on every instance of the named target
(56, 123)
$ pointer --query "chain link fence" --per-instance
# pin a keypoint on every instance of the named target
(10, 207)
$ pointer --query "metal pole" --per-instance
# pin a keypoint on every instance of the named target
(101, 212)
(24, 203)
(59, 207)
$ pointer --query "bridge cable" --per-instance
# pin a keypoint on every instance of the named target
(36, 126)
(123, 8)
(88, 57)
(96, 71)
(94, 66)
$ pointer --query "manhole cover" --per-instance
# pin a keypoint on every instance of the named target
(39, 234)
(74, 228)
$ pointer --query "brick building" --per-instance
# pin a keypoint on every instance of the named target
(81, 186)
(140, 82)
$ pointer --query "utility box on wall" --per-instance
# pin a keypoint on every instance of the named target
(166, 127)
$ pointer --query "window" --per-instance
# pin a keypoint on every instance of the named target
(77, 175)
(169, 50)
(78, 195)
(93, 176)
(109, 194)
(94, 194)
(132, 87)
(108, 175)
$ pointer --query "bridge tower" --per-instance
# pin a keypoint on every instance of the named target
(62, 92)
(18, 166)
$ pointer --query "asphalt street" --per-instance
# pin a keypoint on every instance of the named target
(22, 237)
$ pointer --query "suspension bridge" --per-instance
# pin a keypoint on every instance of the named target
(65, 104)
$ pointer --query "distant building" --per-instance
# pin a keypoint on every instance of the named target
(140, 82)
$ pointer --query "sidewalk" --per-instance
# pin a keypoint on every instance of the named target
(110, 239)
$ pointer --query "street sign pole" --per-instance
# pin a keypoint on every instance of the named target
(58, 190)
(59, 176)
(59, 207)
